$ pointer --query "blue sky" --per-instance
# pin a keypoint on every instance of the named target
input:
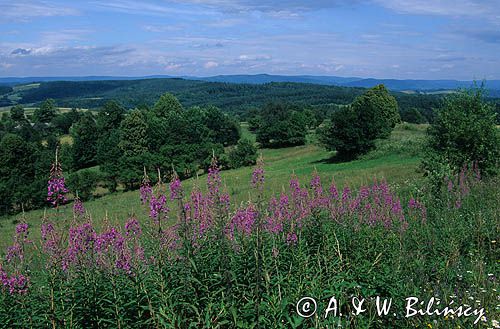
(419, 39)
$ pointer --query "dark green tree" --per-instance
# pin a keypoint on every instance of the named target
(110, 116)
(344, 134)
(108, 123)
(352, 130)
(134, 148)
(84, 182)
(378, 110)
(243, 154)
(464, 132)
(281, 126)
(85, 135)
(46, 112)
(223, 129)
(63, 122)
(109, 154)
(167, 103)
(17, 113)
(413, 116)
(134, 134)
(17, 172)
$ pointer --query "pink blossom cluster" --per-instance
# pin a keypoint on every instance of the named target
(17, 282)
(56, 188)
(459, 185)
(201, 218)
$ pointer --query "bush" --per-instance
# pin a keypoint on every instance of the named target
(413, 116)
(84, 182)
(352, 130)
(464, 132)
(281, 125)
(243, 154)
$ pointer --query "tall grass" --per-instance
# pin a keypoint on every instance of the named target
(216, 263)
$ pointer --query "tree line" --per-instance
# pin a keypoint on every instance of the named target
(112, 147)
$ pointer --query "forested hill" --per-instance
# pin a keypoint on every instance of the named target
(132, 93)
(231, 97)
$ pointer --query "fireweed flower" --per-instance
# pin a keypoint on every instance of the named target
(334, 194)
(78, 208)
(112, 251)
(146, 191)
(201, 217)
(291, 238)
(414, 205)
(21, 232)
(175, 188)
(274, 220)
(56, 188)
(258, 175)
(214, 180)
(15, 284)
(346, 194)
(318, 199)
(158, 209)
(133, 228)
(80, 242)
(242, 222)
(170, 240)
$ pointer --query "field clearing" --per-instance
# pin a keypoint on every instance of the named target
(400, 170)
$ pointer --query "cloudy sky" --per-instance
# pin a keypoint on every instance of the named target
(410, 39)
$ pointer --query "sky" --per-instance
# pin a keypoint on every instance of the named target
(402, 39)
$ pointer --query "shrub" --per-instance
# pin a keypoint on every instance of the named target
(243, 154)
(352, 130)
(464, 132)
(281, 125)
(84, 182)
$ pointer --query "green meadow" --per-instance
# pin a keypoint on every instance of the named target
(395, 160)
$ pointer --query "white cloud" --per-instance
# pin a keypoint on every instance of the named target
(210, 65)
(443, 7)
(24, 10)
(254, 57)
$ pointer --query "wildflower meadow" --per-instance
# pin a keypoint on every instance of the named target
(204, 261)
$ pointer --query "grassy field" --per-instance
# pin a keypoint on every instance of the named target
(395, 160)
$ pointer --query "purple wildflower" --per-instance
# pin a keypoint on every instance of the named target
(78, 208)
(175, 188)
(146, 190)
(258, 175)
(56, 188)
(133, 228)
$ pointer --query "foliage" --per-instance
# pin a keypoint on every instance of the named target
(63, 122)
(352, 130)
(167, 104)
(243, 154)
(46, 112)
(23, 169)
(85, 136)
(281, 125)
(203, 261)
(413, 116)
(84, 182)
(464, 132)
(17, 113)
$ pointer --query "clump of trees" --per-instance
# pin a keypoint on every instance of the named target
(243, 154)
(281, 125)
(118, 141)
(353, 129)
(463, 133)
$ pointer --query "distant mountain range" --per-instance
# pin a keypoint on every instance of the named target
(393, 84)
